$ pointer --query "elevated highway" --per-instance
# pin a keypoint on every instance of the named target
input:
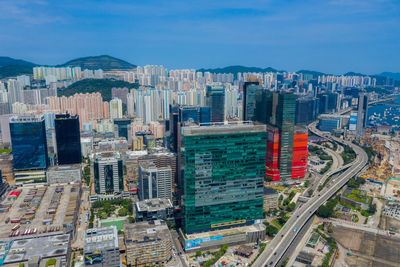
(277, 247)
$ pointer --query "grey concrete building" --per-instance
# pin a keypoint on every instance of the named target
(101, 247)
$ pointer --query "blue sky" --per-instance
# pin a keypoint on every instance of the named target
(333, 36)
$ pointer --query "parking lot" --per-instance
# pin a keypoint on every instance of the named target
(37, 209)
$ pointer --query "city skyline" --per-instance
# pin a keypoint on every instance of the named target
(331, 37)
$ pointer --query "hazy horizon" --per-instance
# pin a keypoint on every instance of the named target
(335, 36)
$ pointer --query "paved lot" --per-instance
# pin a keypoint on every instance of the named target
(17, 211)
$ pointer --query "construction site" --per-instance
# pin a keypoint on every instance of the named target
(37, 209)
(382, 167)
(366, 248)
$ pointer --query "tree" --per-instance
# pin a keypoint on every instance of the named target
(271, 230)
(122, 212)
(372, 208)
(324, 212)
(131, 219)
(291, 206)
(198, 253)
(286, 201)
(307, 183)
(282, 218)
(102, 214)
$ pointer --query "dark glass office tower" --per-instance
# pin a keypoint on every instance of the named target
(28, 141)
(306, 110)
(223, 169)
(205, 115)
(250, 91)
(278, 110)
(123, 127)
(362, 113)
(68, 139)
(189, 114)
(285, 120)
(215, 97)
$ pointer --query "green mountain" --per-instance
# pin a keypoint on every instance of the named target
(14, 70)
(351, 73)
(103, 86)
(103, 62)
(10, 67)
(238, 68)
(8, 61)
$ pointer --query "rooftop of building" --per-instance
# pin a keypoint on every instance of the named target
(146, 231)
(135, 154)
(244, 249)
(44, 247)
(269, 191)
(109, 155)
(227, 232)
(223, 128)
(66, 117)
(148, 164)
(101, 238)
(313, 238)
(26, 118)
(65, 167)
(153, 204)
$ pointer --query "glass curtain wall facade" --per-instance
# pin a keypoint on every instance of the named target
(223, 173)
(123, 127)
(249, 100)
(285, 119)
(215, 96)
(68, 139)
(278, 111)
(29, 146)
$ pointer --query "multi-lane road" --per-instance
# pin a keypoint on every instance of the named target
(277, 247)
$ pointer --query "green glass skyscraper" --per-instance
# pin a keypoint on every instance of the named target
(223, 169)
(284, 116)
(279, 111)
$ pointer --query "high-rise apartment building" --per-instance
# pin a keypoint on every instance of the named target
(15, 91)
(28, 141)
(108, 173)
(88, 107)
(116, 108)
(68, 139)
(215, 98)
(223, 170)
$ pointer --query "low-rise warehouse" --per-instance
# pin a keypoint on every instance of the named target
(36, 251)
(64, 174)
